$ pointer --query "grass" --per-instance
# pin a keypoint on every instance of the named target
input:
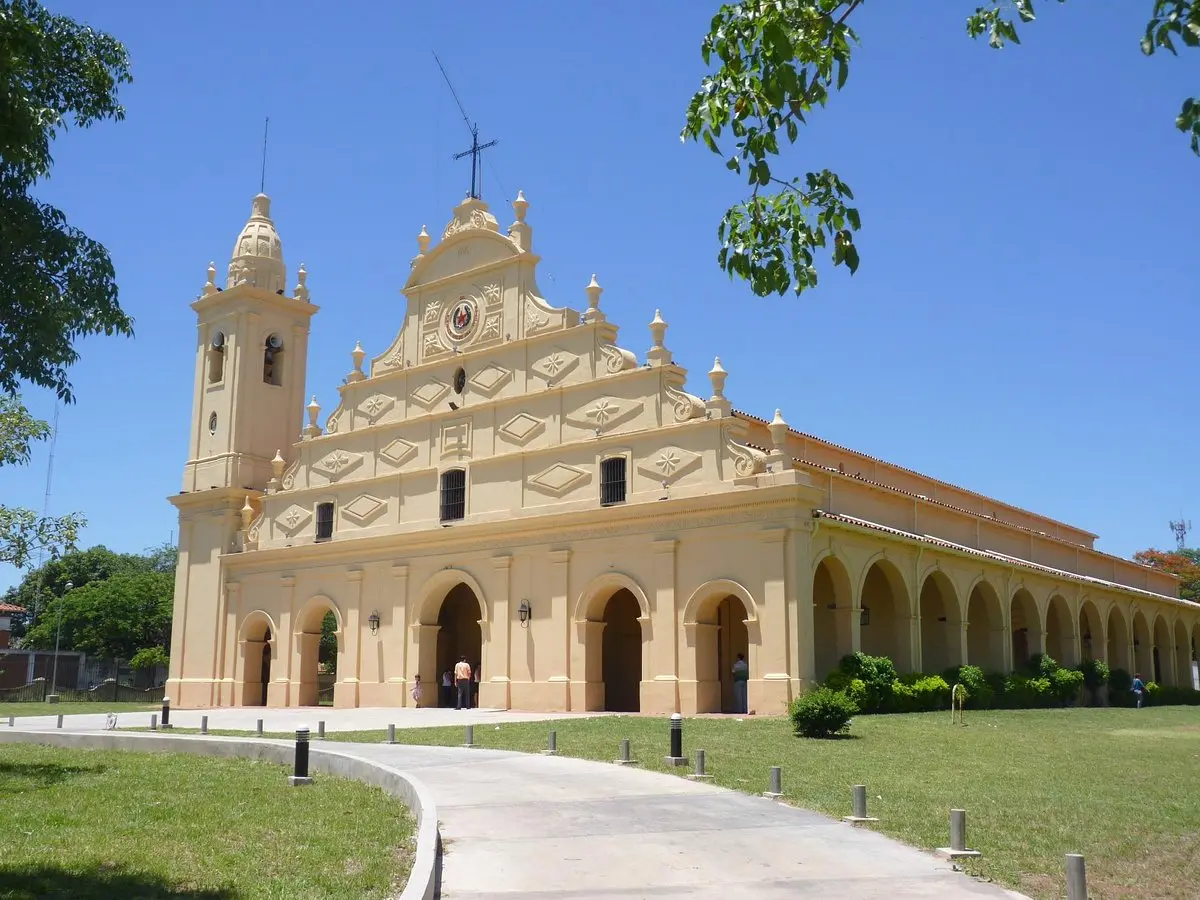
(94, 824)
(1120, 786)
(21, 710)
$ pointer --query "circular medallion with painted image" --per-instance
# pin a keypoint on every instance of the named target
(460, 319)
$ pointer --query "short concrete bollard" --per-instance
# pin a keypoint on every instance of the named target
(12, 721)
(1076, 877)
(700, 774)
(776, 791)
(391, 738)
(676, 758)
(204, 724)
(166, 712)
(470, 736)
(300, 776)
(258, 727)
(860, 807)
(551, 745)
(60, 718)
(154, 721)
(625, 759)
(958, 838)
(321, 729)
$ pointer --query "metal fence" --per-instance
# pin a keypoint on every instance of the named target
(108, 691)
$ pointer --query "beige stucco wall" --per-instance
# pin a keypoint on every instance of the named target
(815, 557)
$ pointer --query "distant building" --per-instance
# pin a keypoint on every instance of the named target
(507, 482)
(7, 611)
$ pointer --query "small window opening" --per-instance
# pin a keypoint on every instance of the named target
(212, 424)
(216, 358)
(454, 495)
(324, 521)
(273, 360)
(612, 480)
(460, 380)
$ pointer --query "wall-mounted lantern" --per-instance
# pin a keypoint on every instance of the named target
(373, 622)
(524, 612)
(864, 616)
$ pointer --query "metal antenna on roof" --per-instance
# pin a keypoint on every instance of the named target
(262, 180)
(476, 148)
(1180, 528)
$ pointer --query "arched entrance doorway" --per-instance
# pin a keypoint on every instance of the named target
(459, 635)
(256, 661)
(717, 631)
(1059, 632)
(941, 625)
(833, 603)
(985, 629)
(1091, 632)
(883, 619)
(1118, 640)
(1026, 628)
(311, 627)
(1162, 657)
(1183, 656)
(621, 653)
(1142, 647)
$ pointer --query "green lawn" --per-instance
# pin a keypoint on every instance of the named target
(1120, 786)
(100, 824)
(70, 709)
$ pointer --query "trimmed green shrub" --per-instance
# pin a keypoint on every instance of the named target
(1153, 690)
(1042, 665)
(877, 674)
(856, 690)
(1177, 696)
(1120, 688)
(920, 693)
(1066, 684)
(822, 713)
(1021, 691)
(1095, 678)
(979, 692)
(838, 680)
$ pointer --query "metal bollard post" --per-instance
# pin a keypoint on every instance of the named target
(12, 721)
(391, 739)
(204, 724)
(551, 745)
(625, 758)
(300, 776)
(1076, 877)
(166, 712)
(860, 807)
(60, 718)
(676, 758)
(958, 837)
(321, 729)
(470, 742)
(700, 774)
(258, 727)
(154, 721)
(776, 790)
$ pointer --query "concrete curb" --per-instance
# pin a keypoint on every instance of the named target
(422, 880)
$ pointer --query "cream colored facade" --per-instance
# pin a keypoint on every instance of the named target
(725, 533)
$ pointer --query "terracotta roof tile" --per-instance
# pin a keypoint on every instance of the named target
(9, 608)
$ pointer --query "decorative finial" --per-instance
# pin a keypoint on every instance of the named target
(779, 431)
(594, 291)
(301, 291)
(658, 354)
(423, 240)
(247, 514)
(717, 376)
(357, 354)
(277, 464)
(520, 206)
(210, 286)
(314, 410)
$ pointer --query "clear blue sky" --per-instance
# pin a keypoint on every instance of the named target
(1023, 323)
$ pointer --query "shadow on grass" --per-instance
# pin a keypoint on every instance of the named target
(52, 883)
(16, 778)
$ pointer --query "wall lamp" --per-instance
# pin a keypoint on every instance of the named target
(373, 622)
(864, 616)
(524, 612)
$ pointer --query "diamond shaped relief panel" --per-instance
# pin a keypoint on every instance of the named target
(336, 463)
(293, 519)
(669, 464)
(398, 452)
(430, 392)
(376, 405)
(559, 478)
(605, 413)
(491, 378)
(521, 428)
(555, 364)
(364, 509)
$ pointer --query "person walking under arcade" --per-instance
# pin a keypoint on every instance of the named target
(462, 676)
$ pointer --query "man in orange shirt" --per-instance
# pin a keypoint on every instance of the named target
(462, 677)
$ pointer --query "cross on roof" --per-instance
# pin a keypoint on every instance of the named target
(475, 151)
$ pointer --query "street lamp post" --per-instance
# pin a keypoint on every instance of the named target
(53, 698)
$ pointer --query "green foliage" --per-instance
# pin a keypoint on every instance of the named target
(150, 658)
(327, 649)
(920, 694)
(58, 284)
(822, 713)
(1066, 684)
(1178, 696)
(776, 62)
(115, 617)
(1095, 673)
(1120, 688)
(980, 693)
(877, 674)
(1170, 20)
(1024, 691)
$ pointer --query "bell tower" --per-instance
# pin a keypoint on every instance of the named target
(249, 370)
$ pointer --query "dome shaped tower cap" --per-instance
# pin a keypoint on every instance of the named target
(258, 252)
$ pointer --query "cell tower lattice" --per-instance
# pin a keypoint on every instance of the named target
(1180, 528)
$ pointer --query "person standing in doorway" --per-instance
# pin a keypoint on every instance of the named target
(447, 688)
(1139, 689)
(462, 675)
(741, 677)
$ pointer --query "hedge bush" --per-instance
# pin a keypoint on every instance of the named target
(822, 713)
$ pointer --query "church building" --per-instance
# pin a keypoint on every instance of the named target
(514, 481)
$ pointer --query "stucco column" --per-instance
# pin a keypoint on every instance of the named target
(964, 645)
(802, 652)
(494, 693)
(561, 663)
(770, 686)
(395, 642)
(227, 650)
(423, 652)
(345, 689)
(660, 656)
(285, 649)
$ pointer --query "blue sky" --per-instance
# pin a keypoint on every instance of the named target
(1023, 323)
